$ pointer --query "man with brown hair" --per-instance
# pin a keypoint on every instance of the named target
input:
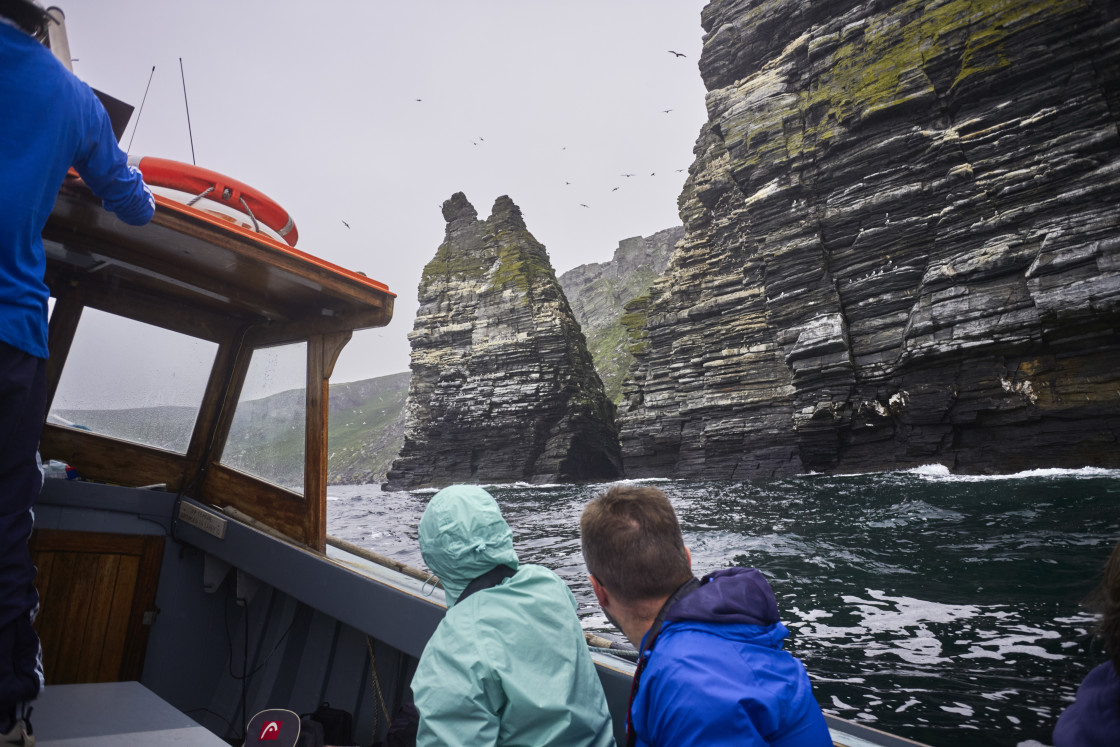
(718, 674)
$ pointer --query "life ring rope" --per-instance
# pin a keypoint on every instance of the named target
(200, 182)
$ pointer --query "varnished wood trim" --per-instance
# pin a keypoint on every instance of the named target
(241, 356)
(105, 459)
(160, 310)
(65, 317)
(322, 354)
(334, 345)
(259, 248)
(281, 333)
(272, 504)
(315, 443)
(211, 426)
(75, 205)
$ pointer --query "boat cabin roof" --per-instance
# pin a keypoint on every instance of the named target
(207, 263)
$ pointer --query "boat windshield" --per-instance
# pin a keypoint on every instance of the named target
(268, 432)
(133, 381)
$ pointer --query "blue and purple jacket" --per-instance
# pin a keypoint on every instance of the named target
(718, 675)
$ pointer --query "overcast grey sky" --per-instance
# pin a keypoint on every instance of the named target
(315, 104)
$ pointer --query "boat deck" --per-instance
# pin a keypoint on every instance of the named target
(122, 714)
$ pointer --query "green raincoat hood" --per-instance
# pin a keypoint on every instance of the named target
(462, 536)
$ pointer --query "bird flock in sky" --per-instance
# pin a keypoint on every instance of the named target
(480, 140)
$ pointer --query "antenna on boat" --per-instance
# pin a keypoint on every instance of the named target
(137, 123)
(184, 77)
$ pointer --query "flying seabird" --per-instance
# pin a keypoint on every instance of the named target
(678, 54)
(345, 223)
(615, 189)
(666, 110)
(586, 206)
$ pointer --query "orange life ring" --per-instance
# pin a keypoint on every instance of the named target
(185, 177)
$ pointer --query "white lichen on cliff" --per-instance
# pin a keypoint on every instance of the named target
(1023, 388)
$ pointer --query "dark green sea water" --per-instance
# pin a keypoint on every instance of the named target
(941, 608)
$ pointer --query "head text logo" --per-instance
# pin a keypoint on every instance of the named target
(270, 731)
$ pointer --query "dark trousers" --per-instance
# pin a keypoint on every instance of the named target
(23, 401)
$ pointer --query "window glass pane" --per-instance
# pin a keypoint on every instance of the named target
(266, 438)
(133, 381)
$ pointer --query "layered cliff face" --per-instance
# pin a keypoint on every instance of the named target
(902, 247)
(599, 292)
(503, 388)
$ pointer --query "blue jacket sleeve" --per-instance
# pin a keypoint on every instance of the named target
(104, 167)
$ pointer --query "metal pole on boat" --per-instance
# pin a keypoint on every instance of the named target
(185, 104)
(56, 37)
(137, 123)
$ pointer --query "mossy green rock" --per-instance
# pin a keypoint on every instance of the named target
(902, 245)
(503, 388)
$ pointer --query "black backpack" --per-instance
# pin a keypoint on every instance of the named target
(335, 725)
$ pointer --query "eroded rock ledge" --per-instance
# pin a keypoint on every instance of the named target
(902, 245)
(503, 388)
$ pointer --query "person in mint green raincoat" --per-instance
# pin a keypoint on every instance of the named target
(507, 665)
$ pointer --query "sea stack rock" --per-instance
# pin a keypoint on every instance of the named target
(902, 245)
(503, 388)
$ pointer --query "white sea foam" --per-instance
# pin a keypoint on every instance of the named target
(640, 480)
(847, 680)
(940, 473)
(808, 615)
(929, 470)
(907, 612)
(907, 704)
(960, 708)
(1000, 695)
(527, 486)
(1050, 472)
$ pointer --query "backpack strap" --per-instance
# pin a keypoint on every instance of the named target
(492, 577)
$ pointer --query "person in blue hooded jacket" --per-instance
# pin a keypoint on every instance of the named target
(711, 669)
(49, 121)
(1093, 720)
(508, 664)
